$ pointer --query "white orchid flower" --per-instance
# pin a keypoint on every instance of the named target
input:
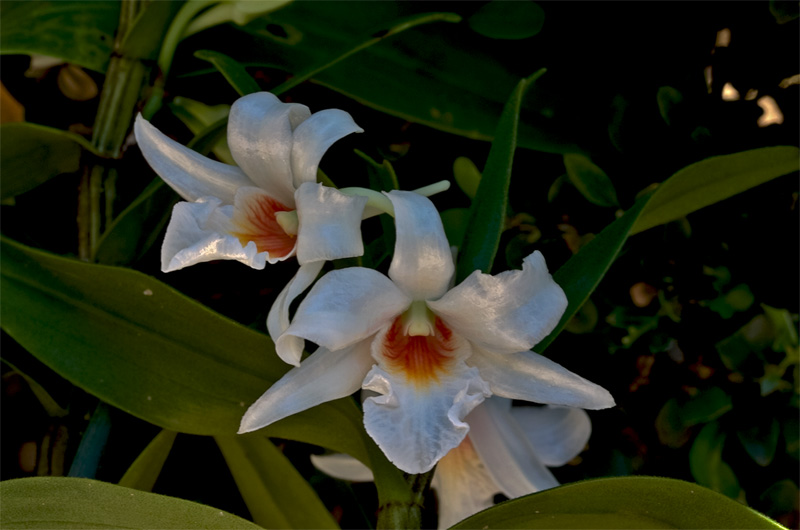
(508, 450)
(270, 207)
(431, 353)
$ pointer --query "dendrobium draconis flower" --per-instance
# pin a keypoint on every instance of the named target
(508, 450)
(270, 207)
(431, 353)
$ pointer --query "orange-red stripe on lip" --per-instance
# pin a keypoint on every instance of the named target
(421, 359)
(254, 220)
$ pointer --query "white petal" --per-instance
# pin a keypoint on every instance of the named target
(344, 307)
(343, 467)
(531, 377)
(422, 264)
(557, 434)
(506, 313)
(415, 427)
(313, 137)
(324, 376)
(330, 223)
(278, 318)
(196, 233)
(505, 451)
(260, 137)
(188, 172)
(463, 485)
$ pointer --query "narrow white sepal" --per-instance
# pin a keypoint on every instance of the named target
(532, 377)
(324, 376)
(189, 173)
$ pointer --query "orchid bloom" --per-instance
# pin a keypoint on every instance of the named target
(431, 353)
(508, 450)
(270, 207)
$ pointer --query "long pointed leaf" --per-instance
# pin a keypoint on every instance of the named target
(58, 502)
(627, 502)
(488, 211)
(275, 493)
(691, 188)
(144, 471)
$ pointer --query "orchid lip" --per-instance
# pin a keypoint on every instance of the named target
(421, 350)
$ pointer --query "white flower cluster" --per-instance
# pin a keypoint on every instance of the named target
(432, 354)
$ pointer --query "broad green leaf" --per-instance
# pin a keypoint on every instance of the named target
(761, 441)
(488, 212)
(143, 40)
(135, 342)
(714, 179)
(582, 273)
(706, 406)
(141, 346)
(71, 503)
(707, 466)
(32, 154)
(500, 19)
(467, 176)
(457, 85)
(81, 33)
(590, 180)
(625, 502)
(234, 72)
(275, 493)
(136, 229)
(144, 471)
(397, 27)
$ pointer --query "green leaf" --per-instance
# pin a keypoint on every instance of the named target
(79, 32)
(458, 86)
(58, 502)
(144, 38)
(624, 502)
(398, 27)
(582, 273)
(761, 441)
(590, 180)
(137, 228)
(467, 176)
(234, 72)
(668, 98)
(508, 20)
(141, 346)
(144, 471)
(33, 154)
(672, 432)
(714, 179)
(707, 466)
(488, 212)
(275, 493)
(455, 222)
(706, 406)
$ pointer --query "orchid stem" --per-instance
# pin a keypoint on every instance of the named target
(406, 515)
(380, 203)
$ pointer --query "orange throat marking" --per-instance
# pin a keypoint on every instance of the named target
(254, 220)
(421, 359)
